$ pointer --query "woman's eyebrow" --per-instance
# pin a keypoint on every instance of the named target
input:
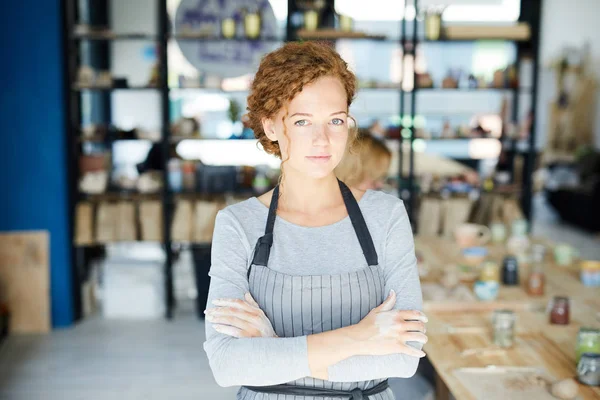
(310, 115)
(300, 114)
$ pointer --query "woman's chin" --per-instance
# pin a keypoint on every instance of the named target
(318, 173)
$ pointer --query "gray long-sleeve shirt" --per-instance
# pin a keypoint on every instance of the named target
(299, 250)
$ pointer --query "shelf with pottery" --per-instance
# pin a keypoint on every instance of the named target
(470, 90)
(362, 86)
(119, 195)
(83, 31)
(81, 88)
(110, 36)
(335, 34)
(212, 38)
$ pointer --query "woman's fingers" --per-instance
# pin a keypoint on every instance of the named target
(412, 315)
(411, 326)
(230, 311)
(414, 337)
(229, 330)
(411, 351)
(231, 320)
(235, 303)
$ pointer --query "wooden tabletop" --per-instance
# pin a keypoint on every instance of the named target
(460, 332)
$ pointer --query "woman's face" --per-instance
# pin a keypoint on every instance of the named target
(316, 125)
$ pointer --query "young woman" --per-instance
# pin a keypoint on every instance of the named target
(367, 166)
(300, 276)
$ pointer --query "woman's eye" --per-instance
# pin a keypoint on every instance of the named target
(338, 121)
(301, 122)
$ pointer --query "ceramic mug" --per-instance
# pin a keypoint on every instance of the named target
(564, 254)
(471, 235)
(498, 230)
(519, 227)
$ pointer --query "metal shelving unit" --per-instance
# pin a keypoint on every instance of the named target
(530, 13)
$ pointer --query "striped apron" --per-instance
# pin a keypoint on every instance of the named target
(300, 305)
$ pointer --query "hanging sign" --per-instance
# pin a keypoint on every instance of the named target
(225, 58)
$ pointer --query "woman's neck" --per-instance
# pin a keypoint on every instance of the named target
(307, 195)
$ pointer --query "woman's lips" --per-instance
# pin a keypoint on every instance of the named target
(319, 159)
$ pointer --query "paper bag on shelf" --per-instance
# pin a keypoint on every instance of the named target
(105, 222)
(430, 216)
(151, 220)
(205, 213)
(456, 212)
(511, 211)
(84, 223)
(125, 224)
(181, 230)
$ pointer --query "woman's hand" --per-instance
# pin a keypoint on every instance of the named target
(239, 318)
(387, 331)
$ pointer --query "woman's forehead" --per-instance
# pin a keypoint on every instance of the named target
(326, 95)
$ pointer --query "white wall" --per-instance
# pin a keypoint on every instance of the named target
(132, 59)
(566, 23)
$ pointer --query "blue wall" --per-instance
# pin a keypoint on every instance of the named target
(33, 176)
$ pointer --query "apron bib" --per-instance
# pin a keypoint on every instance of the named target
(300, 305)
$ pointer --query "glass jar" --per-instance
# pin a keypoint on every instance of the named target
(559, 313)
(490, 272)
(510, 271)
(588, 341)
(504, 327)
(588, 369)
(536, 279)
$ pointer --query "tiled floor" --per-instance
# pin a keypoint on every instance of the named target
(146, 360)
(100, 359)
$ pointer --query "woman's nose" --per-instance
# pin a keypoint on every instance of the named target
(319, 133)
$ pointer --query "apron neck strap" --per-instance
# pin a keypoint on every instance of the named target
(263, 246)
(359, 224)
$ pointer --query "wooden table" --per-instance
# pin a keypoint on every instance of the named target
(460, 333)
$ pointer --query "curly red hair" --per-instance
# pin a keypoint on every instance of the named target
(281, 76)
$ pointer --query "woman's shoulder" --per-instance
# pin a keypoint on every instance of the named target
(382, 201)
(243, 211)
(381, 210)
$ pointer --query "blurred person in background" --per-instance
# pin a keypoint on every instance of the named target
(367, 166)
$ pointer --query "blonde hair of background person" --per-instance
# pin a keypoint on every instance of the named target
(366, 165)
(298, 109)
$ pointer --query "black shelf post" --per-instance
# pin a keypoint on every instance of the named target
(71, 107)
(163, 34)
(402, 102)
(531, 11)
(413, 109)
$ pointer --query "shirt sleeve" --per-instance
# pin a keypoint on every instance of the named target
(245, 361)
(399, 265)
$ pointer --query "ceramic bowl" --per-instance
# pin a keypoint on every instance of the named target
(474, 256)
(486, 290)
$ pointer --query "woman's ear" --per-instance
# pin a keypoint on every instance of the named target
(269, 128)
